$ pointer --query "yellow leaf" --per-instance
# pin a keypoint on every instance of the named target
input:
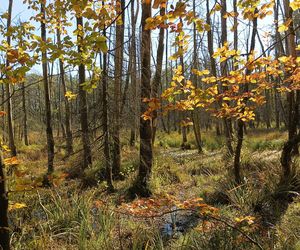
(70, 95)
(16, 206)
(295, 5)
(285, 26)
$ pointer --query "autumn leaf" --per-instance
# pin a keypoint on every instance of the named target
(159, 3)
(70, 95)
(295, 5)
(285, 26)
(16, 206)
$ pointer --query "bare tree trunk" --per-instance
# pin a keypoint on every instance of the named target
(240, 123)
(10, 131)
(226, 122)
(133, 104)
(195, 113)
(116, 167)
(25, 128)
(83, 110)
(291, 146)
(157, 77)
(146, 153)
(210, 43)
(105, 123)
(69, 138)
(50, 139)
(4, 227)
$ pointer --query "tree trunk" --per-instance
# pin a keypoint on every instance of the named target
(4, 229)
(213, 67)
(105, 123)
(146, 153)
(134, 106)
(119, 43)
(157, 77)
(49, 132)
(240, 123)
(83, 110)
(10, 131)
(69, 138)
(291, 146)
(25, 129)
(226, 122)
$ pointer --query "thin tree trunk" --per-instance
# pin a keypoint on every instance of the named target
(4, 227)
(83, 110)
(119, 43)
(134, 106)
(291, 146)
(10, 131)
(69, 138)
(105, 123)
(240, 123)
(157, 77)
(195, 113)
(49, 132)
(146, 153)
(25, 128)
(226, 122)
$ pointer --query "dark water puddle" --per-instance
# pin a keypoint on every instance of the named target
(178, 223)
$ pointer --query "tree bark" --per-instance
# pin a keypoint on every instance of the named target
(10, 131)
(226, 121)
(83, 110)
(240, 123)
(69, 137)
(146, 153)
(25, 126)
(4, 229)
(157, 76)
(134, 106)
(105, 123)
(49, 132)
(116, 161)
(290, 148)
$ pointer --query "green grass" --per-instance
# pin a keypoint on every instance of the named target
(68, 217)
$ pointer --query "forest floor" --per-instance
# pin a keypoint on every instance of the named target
(82, 215)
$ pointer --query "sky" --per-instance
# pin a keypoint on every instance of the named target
(21, 12)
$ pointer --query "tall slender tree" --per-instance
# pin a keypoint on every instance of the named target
(69, 137)
(49, 132)
(240, 123)
(105, 122)
(133, 75)
(25, 126)
(146, 153)
(10, 131)
(157, 76)
(83, 109)
(119, 42)
(4, 226)
(290, 148)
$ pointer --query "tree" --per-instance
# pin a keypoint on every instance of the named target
(87, 155)
(49, 132)
(146, 153)
(134, 106)
(69, 138)
(157, 76)
(291, 146)
(4, 227)
(105, 123)
(25, 127)
(120, 5)
(12, 145)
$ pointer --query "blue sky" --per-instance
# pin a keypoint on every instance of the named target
(21, 12)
